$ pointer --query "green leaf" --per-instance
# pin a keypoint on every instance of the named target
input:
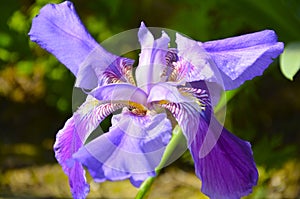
(290, 60)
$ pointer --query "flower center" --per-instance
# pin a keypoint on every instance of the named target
(137, 109)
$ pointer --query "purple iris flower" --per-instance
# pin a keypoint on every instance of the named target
(175, 79)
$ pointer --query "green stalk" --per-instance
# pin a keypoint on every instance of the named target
(146, 185)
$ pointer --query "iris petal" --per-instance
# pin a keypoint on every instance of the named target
(185, 109)
(73, 135)
(194, 63)
(90, 114)
(227, 170)
(244, 57)
(120, 92)
(101, 67)
(59, 30)
(68, 142)
(152, 61)
(223, 162)
(132, 148)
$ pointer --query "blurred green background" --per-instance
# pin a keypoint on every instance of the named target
(36, 95)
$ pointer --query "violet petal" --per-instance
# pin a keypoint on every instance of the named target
(68, 142)
(120, 92)
(194, 63)
(152, 61)
(243, 57)
(73, 135)
(131, 149)
(101, 67)
(58, 29)
(227, 170)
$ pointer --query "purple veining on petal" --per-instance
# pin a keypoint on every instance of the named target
(58, 29)
(213, 89)
(244, 57)
(101, 67)
(90, 114)
(228, 171)
(187, 117)
(152, 61)
(131, 149)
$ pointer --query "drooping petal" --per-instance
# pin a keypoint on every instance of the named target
(244, 57)
(73, 135)
(132, 148)
(194, 63)
(67, 143)
(58, 29)
(223, 162)
(152, 61)
(120, 92)
(227, 170)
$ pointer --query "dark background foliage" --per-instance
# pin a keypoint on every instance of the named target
(36, 90)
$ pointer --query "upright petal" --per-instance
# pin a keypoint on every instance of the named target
(244, 57)
(132, 148)
(73, 135)
(152, 61)
(58, 29)
(227, 170)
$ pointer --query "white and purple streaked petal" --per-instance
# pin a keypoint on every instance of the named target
(90, 114)
(132, 148)
(120, 92)
(68, 142)
(244, 57)
(227, 170)
(58, 29)
(101, 67)
(73, 135)
(184, 106)
(152, 61)
(187, 117)
(212, 89)
(194, 63)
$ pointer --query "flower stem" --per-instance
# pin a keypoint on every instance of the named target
(146, 185)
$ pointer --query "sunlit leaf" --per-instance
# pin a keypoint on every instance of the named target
(25, 67)
(5, 39)
(18, 22)
(290, 60)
